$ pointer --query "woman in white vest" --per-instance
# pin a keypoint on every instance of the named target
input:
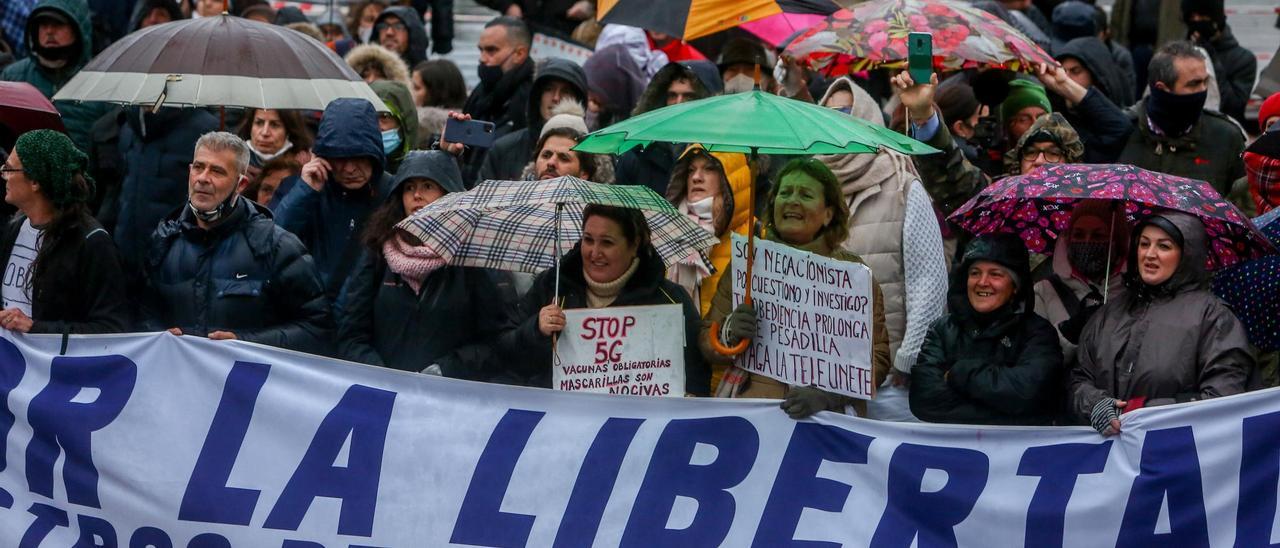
(894, 228)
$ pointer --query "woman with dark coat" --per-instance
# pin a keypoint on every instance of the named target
(404, 308)
(614, 265)
(62, 271)
(1167, 340)
(992, 360)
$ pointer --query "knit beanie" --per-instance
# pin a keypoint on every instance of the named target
(49, 158)
(1023, 94)
(956, 99)
(566, 113)
(1270, 107)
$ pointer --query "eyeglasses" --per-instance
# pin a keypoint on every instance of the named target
(394, 26)
(1051, 155)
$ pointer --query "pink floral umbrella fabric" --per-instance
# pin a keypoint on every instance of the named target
(1037, 207)
(874, 34)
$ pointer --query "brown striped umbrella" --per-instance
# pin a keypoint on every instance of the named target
(218, 61)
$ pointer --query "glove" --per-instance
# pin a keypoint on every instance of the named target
(803, 401)
(1103, 413)
(433, 369)
(741, 324)
(1073, 326)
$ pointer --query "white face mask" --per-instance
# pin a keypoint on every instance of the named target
(739, 84)
(365, 34)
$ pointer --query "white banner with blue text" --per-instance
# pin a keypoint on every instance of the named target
(163, 441)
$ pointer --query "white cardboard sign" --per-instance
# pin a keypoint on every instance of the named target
(636, 350)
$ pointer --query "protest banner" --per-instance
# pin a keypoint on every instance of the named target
(160, 441)
(636, 350)
(813, 318)
(545, 47)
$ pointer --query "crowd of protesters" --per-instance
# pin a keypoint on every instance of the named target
(283, 232)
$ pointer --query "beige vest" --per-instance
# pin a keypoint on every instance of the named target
(875, 233)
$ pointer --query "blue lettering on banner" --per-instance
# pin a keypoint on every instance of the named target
(596, 477)
(300, 544)
(59, 423)
(150, 537)
(1058, 467)
(910, 511)
(209, 540)
(208, 498)
(481, 521)
(1259, 475)
(47, 518)
(672, 475)
(798, 486)
(12, 367)
(95, 533)
(362, 414)
(1170, 470)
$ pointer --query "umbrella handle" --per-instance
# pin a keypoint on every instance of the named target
(714, 336)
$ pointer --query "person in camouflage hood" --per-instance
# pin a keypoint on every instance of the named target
(1050, 140)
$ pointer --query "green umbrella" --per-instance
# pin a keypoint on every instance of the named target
(752, 122)
(756, 123)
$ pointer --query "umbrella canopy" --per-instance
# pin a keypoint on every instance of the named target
(776, 29)
(23, 108)
(218, 61)
(685, 19)
(1252, 289)
(1037, 206)
(524, 225)
(752, 122)
(874, 34)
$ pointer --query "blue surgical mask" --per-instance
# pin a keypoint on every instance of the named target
(391, 141)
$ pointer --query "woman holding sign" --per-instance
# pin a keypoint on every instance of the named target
(991, 360)
(805, 211)
(614, 265)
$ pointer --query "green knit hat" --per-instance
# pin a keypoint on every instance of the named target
(1023, 94)
(49, 158)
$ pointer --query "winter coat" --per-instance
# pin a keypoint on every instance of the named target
(512, 151)
(1123, 60)
(373, 56)
(76, 116)
(502, 103)
(1003, 367)
(397, 98)
(1170, 344)
(157, 150)
(1096, 57)
(1169, 26)
(760, 386)
(733, 215)
(1236, 70)
(651, 165)
(418, 40)
(82, 289)
(1103, 127)
(1059, 298)
(329, 221)
(1209, 152)
(244, 275)
(528, 351)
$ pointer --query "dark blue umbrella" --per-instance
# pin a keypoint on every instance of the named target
(1252, 289)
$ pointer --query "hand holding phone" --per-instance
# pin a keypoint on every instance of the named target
(475, 133)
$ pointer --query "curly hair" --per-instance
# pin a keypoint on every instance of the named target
(834, 232)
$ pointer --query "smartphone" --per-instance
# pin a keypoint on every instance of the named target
(475, 133)
(920, 56)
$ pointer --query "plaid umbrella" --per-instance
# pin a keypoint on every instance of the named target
(874, 34)
(525, 225)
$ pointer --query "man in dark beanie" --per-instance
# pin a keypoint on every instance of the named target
(62, 273)
(1234, 67)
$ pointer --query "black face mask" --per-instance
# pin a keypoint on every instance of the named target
(1174, 114)
(1088, 258)
(1206, 29)
(60, 53)
(489, 75)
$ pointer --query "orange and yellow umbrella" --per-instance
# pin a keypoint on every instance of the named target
(684, 19)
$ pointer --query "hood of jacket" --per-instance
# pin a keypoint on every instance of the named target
(735, 185)
(76, 11)
(1003, 248)
(418, 40)
(655, 95)
(349, 129)
(400, 102)
(1054, 127)
(366, 56)
(546, 71)
(289, 15)
(1072, 19)
(144, 7)
(1192, 273)
(436, 165)
(613, 75)
(1096, 56)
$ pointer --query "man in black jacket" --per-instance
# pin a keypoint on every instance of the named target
(221, 268)
(1234, 67)
(557, 80)
(400, 30)
(506, 78)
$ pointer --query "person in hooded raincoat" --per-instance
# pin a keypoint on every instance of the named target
(400, 29)
(1088, 61)
(1168, 339)
(399, 127)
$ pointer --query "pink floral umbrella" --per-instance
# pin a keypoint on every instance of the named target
(1037, 207)
(874, 34)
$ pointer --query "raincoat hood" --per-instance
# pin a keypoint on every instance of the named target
(289, 15)
(367, 56)
(76, 11)
(436, 165)
(727, 164)
(144, 7)
(1071, 20)
(349, 129)
(1004, 249)
(1191, 273)
(1096, 56)
(400, 101)
(613, 75)
(655, 95)
(553, 68)
(418, 40)
(1052, 127)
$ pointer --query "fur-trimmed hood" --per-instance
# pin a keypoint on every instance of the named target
(364, 57)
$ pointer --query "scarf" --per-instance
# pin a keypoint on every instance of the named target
(600, 295)
(690, 271)
(412, 263)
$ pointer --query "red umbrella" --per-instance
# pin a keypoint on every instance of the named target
(23, 108)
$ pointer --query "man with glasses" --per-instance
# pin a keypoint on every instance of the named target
(1049, 140)
(220, 268)
(400, 29)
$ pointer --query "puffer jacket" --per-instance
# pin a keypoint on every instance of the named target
(512, 151)
(1003, 367)
(418, 40)
(157, 150)
(1209, 152)
(244, 275)
(651, 165)
(528, 351)
(329, 222)
(397, 98)
(76, 116)
(1173, 343)
(732, 216)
